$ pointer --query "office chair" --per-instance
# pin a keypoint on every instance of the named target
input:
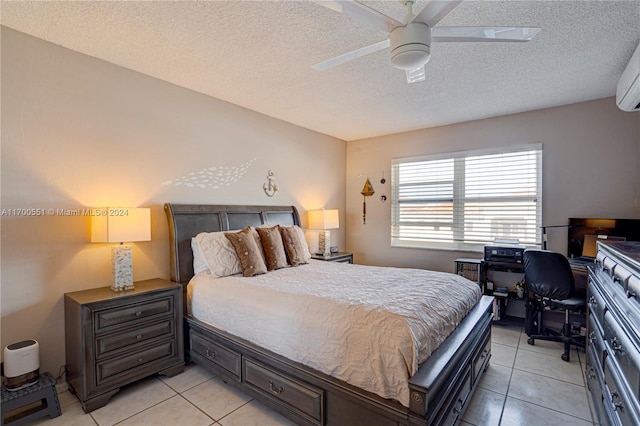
(548, 276)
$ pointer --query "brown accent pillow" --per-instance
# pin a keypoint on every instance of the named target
(248, 251)
(273, 248)
(293, 246)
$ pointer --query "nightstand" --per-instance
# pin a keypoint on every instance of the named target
(116, 338)
(341, 257)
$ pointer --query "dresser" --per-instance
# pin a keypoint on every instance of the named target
(115, 338)
(613, 346)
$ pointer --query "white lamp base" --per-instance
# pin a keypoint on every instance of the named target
(122, 268)
(324, 243)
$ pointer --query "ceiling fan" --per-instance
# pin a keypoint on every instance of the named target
(409, 43)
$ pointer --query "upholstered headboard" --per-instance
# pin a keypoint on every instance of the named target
(188, 220)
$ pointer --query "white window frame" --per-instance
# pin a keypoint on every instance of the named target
(414, 233)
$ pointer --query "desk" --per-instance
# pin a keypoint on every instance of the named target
(508, 307)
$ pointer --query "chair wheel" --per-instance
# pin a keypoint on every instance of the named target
(565, 357)
(531, 341)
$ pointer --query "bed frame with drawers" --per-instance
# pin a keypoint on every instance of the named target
(439, 391)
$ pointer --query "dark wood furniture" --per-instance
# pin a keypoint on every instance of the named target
(439, 391)
(613, 344)
(341, 257)
(115, 338)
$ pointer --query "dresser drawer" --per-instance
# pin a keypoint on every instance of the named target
(450, 412)
(481, 357)
(596, 340)
(300, 398)
(595, 382)
(623, 351)
(139, 360)
(596, 301)
(104, 319)
(112, 342)
(216, 354)
(620, 403)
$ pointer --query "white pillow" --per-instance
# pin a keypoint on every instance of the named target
(199, 264)
(217, 253)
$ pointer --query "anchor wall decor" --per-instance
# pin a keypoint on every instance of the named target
(270, 188)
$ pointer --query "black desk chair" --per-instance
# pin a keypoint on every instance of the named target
(549, 277)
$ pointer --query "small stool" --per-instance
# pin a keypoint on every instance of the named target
(44, 392)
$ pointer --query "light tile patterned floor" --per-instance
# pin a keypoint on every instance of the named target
(524, 385)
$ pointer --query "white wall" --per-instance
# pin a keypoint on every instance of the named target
(80, 132)
(591, 168)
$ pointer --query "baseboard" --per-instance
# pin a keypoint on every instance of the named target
(62, 387)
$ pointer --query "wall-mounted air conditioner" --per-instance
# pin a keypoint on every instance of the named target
(628, 92)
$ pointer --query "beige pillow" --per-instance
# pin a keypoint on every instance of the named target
(272, 247)
(248, 251)
(295, 245)
(217, 252)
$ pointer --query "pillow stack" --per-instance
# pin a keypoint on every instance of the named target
(251, 251)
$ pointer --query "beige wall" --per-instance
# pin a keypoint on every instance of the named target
(591, 168)
(79, 132)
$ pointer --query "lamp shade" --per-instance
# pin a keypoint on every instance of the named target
(120, 225)
(323, 219)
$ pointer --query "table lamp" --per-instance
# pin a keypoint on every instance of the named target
(324, 220)
(121, 225)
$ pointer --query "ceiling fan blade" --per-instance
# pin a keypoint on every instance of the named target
(415, 75)
(483, 34)
(349, 56)
(359, 11)
(435, 10)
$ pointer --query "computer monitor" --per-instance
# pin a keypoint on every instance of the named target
(590, 247)
(579, 228)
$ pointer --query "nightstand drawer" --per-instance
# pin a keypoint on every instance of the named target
(111, 369)
(106, 344)
(216, 354)
(303, 399)
(126, 314)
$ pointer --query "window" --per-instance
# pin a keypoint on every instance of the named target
(464, 200)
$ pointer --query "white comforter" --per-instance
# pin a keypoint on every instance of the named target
(368, 326)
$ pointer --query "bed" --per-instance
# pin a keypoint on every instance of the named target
(438, 382)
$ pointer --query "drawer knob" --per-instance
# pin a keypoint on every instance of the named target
(211, 354)
(274, 389)
(592, 300)
(139, 336)
(140, 360)
(616, 346)
(591, 373)
(592, 336)
(615, 399)
(630, 294)
(138, 313)
(458, 408)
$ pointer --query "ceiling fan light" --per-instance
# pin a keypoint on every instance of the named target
(410, 46)
(408, 59)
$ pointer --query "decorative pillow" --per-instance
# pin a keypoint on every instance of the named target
(218, 254)
(295, 245)
(199, 264)
(272, 247)
(248, 251)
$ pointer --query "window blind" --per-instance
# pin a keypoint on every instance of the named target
(465, 200)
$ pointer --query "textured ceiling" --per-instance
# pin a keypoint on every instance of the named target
(258, 54)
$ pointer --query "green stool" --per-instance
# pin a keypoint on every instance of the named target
(44, 392)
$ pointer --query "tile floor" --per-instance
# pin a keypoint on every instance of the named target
(524, 385)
